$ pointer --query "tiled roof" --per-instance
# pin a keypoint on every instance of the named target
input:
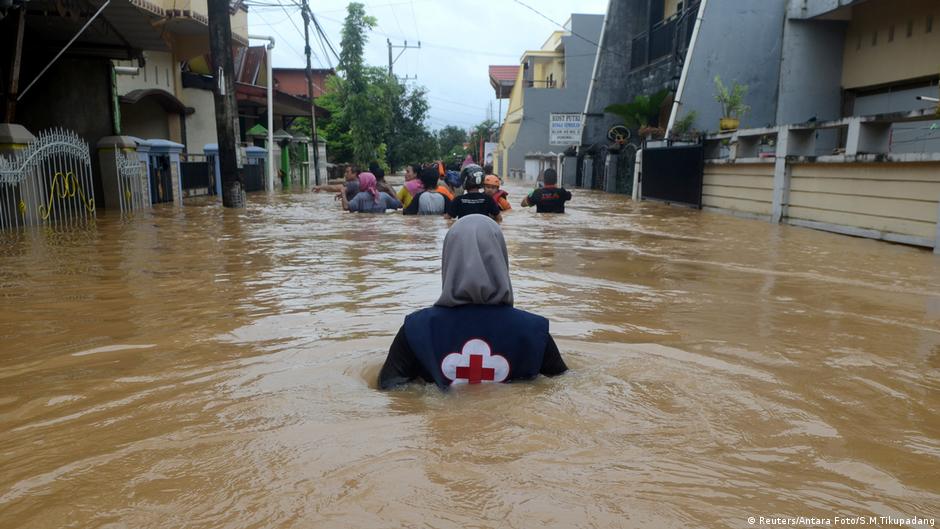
(504, 73)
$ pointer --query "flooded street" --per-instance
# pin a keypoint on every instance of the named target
(207, 368)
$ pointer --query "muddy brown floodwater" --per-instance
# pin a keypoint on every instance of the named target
(207, 368)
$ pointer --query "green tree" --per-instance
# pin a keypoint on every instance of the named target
(483, 132)
(358, 95)
(451, 140)
(409, 139)
(372, 117)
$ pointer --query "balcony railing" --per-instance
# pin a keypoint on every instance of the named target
(665, 38)
(544, 83)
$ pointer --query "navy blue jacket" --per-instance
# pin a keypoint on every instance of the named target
(471, 344)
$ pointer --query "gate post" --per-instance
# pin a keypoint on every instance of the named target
(781, 193)
(610, 173)
(13, 138)
(638, 176)
(110, 179)
(172, 151)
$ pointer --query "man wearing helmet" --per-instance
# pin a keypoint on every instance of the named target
(473, 201)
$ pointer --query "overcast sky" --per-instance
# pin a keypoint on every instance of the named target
(459, 40)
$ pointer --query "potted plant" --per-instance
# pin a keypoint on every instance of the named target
(732, 104)
(643, 113)
(683, 130)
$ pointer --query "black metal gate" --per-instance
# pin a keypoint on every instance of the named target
(253, 177)
(161, 180)
(195, 175)
(674, 173)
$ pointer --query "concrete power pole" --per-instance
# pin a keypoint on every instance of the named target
(404, 47)
(305, 12)
(226, 109)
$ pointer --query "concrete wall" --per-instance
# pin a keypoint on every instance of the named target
(75, 94)
(810, 72)
(200, 125)
(892, 199)
(741, 42)
(540, 102)
(146, 119)
(159, 73)
(872, 57)
(739, 188)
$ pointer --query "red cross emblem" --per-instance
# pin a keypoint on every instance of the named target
(474, 364)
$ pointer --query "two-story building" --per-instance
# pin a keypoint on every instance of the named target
(551, 80)
(121, 74)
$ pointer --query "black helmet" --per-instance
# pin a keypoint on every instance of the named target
(472, 176)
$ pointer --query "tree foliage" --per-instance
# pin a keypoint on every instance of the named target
(451, 141)
(372, 115)
(643, 111)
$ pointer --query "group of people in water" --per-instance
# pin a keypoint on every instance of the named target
(472, 334)
(431, 189)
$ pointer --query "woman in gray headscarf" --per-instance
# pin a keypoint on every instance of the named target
(472, 334)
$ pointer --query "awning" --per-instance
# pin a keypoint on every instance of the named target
(124, 27)
(168, 101)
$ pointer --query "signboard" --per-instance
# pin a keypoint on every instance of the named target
(488, 149)
(564, 128)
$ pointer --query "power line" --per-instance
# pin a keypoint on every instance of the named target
(278, 33)
(301, 33)
(539, 13)
(322, 34)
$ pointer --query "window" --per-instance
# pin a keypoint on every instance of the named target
(929, 23)
(910, 28)
(874, 38)
(891, 33)
(858, 45)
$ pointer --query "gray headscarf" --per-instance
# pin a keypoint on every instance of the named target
(475, 268)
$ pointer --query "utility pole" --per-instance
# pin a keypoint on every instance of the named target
(305, 12)
(404, 47)
(226, 110)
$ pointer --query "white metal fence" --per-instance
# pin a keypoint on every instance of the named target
(48, 182)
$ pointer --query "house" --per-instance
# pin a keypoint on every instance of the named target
(841, 134)
(642, 51)
(120, 76)
(550, 87)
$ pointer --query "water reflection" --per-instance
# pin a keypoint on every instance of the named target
(204, 367)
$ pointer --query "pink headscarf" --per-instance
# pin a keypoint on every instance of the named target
(367, 184)
(414, 186)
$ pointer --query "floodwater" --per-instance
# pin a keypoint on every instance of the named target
(207, 368)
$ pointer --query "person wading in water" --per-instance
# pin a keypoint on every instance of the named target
(550, 198)
(491, 188)
(472, 334)
(474, 201)
(369, 199)
(430, 201)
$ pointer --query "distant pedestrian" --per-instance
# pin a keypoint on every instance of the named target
(369, 199)
(474, 200)
(549, 198)
(491, 188)
(351, 186)
(412, 185)
(380, 182)
(430, 201)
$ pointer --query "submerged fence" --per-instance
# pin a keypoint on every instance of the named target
(132, 182)
(48, 182)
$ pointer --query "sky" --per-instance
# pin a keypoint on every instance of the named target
(459, 40)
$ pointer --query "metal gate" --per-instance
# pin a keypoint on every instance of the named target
(132, 181)
(674, 173)
(48, 182)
